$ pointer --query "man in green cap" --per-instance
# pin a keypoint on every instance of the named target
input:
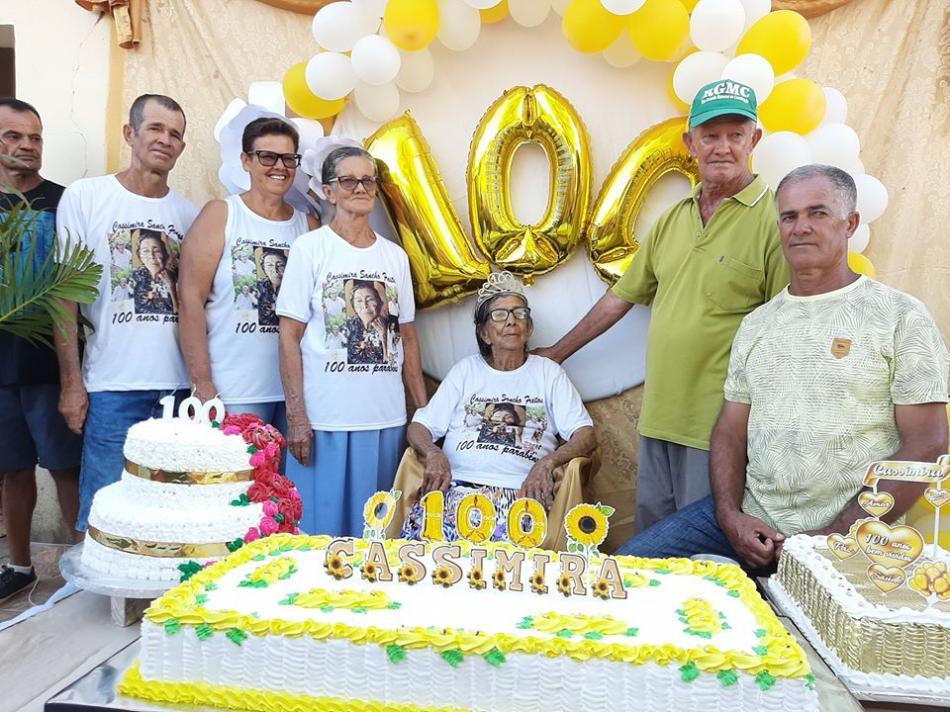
(709, 260)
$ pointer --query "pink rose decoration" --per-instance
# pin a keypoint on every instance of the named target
(270, 508)
(252, 535)
(259, 459)
(231, 430)
(268, 526)
(294, 494)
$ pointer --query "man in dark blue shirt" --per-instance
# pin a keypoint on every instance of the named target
(31, 429)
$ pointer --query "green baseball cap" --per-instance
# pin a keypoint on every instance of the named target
(722, 98)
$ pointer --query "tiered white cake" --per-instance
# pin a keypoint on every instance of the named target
(173, 504)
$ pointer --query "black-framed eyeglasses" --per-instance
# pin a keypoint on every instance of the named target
(269, 158)
(519, 313)
(349, 183)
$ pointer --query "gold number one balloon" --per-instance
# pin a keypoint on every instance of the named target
(443, 263)
(542, 116)
(611, 236)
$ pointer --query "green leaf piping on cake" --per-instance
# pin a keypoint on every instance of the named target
(204, 631)
(689, 672)
(453, 657)
(236, 636)
(172, 626)
(727, 678)
(764, 680)
(494, 657)
(395, 653)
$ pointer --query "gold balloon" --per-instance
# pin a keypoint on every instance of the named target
(612, 241)
(444, 265)
(542, 116)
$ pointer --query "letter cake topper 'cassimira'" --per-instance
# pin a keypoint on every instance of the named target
(586, 526)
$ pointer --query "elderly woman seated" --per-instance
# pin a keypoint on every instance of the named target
(500, 413)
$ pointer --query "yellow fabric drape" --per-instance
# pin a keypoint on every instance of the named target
(890, 59)
(126, 14)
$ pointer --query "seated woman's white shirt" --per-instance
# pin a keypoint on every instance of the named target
(497, 424)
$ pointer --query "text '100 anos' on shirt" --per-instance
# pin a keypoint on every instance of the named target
(133, 343)
(497, 424)
(701, 281)
(822, 375)
(352, 300)
(242, 304)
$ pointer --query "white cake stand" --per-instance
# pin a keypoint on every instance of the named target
(129, 597)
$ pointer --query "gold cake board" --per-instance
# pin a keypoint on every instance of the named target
(793, 619)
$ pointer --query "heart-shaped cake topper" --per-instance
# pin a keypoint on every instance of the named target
(886, 578)
(937, 496)
(898, 546)
(877, 504)
(844, 547)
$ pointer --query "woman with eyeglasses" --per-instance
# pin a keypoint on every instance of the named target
(500, 413)
(346, 363)
(235, 249)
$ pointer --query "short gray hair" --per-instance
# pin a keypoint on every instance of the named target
(137, 110)
(331, 163)
(482, 313)
(846, 192)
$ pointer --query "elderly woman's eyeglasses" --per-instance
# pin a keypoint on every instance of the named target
(519, 313)
(349, 183)
(269, 158)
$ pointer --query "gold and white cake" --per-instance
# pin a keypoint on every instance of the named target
(305, 623)
(190, 493)
(895, 643)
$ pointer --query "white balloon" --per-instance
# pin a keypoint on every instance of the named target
(269, 95)
(375, 60)
(560, 6)
(622, 53)
(234, 178)
(309, 131)
(371, 8)
(377, 103)
(417, 70)
(716, 24)
(459, 24)
(854, 168)
(230, 111)
(753, 70)
(836, 106)
(834, 145)
(779, 153)
(859, 240)
(872, 198)
(338, 25)
(621, 7)
(696, 70)
(482, 4)
(330, 75)
(529, 13)
(755, 10)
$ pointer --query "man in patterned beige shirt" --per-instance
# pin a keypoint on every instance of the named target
(837, 371)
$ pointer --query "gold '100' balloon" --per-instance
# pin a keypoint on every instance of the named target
(612, 242)
(444, 265)
(542, 116)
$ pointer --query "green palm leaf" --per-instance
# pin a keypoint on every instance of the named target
(29, 293)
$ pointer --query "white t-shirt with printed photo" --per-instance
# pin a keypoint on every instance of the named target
(133, 343)
(352, 349)
(497, 424)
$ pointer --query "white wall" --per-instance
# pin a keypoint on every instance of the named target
(62, 68)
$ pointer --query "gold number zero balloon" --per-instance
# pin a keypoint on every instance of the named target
(444, 265)
(542, 116)
(611, 236)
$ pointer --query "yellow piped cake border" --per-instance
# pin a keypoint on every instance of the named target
(783, 657)
(253, 700)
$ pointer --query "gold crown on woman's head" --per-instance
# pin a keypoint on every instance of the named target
(498, 284)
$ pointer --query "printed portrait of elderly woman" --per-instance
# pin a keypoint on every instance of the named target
(155, 276)
(273, 263)
(503, 424)
(371, 330)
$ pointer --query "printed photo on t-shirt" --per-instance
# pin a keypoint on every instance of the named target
(258, 272)
(515, 425)
(361, 321)
(143, 273)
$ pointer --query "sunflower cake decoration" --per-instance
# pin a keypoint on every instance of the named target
(378, 512)
(587, 526)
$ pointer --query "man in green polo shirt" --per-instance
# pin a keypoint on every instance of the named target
(709, 260)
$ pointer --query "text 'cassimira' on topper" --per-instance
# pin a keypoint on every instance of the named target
(586, 526)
